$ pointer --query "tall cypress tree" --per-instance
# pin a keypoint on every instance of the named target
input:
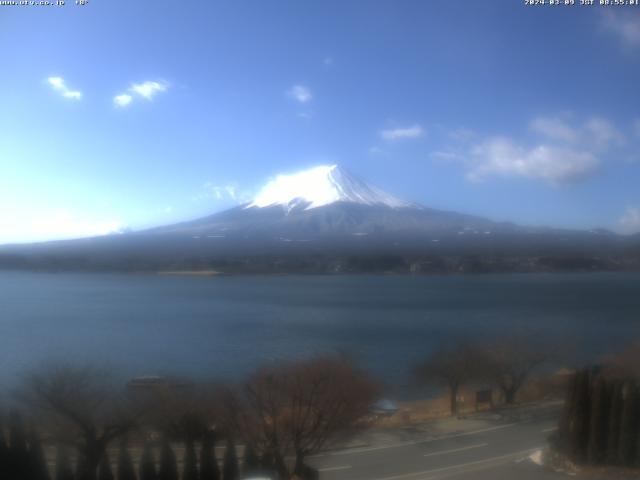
(63, 464)
(148, 464)
(230, 470)
(125, 463)
(598, 431)
(628, 425)
(168, 465)
(18, 451)
(4, 449)
(251, 464)
(208, 462)
(190, 462)
(579, 423)
(38, 468)
(267, 463)
(615, 415)
(104, 468)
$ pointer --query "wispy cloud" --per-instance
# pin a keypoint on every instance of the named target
(327, 61)
(625, 25)
(595, 132)
(393, 134)
(629, 222)
(147, 90)
(222, 192)
(554, 128)
(59, 85)
(300, 93)
(122, 100)
(53, 224)
(556, 165)
(562, 153)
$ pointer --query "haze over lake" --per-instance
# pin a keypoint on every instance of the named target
(225, 326)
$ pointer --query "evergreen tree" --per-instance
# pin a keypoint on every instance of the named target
(104, 468)
(18, 451)
(628, 425)
(267, 463)
(230, 469)
(168, 464)
(566, 418)
(82, 467)
(251, 461)
(190, 462)
(63, 464)
(148, 464)
(208, 463)
(125, 464)
(615, 415)
(37, 461)
(598, 430)
(4, 450)
(579, 423)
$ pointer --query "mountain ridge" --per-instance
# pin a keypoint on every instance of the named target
(329, 222)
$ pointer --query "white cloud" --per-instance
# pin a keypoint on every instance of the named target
(630, 220)
(229, 191)
(53, 225)
(560, 152)
(122, 100)
(556, 165)
(300, 93)
(554, 128)
(596, 133)
(625, 25)
(59, 85)
(146, 90)
(413, 131)
(601, 133)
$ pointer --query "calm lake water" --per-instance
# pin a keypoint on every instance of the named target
(225, 326)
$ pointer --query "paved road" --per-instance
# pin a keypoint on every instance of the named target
(498, 450)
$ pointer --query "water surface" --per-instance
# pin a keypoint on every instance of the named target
(225, 326)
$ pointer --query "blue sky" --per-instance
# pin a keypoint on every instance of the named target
(132, 114)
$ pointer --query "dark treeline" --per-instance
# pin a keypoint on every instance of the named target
(22, 457)
(600, 424)
(170, 429)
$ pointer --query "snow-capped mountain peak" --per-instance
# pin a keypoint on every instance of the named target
(321, 186)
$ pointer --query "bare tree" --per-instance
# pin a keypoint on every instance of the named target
(187, 412)
(509, 360)
(626, 363)
(451, 366)
(80, 407)
(296, 408)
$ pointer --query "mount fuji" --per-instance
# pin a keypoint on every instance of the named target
(326, 219)
(327, 201)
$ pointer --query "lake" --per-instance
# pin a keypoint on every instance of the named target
(225, 326)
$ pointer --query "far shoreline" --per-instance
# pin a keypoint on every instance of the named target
(190, 273)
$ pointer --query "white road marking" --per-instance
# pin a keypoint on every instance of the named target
(547, 430)
(332, 469)
(416, 442)
(461, 449)
(461, 466)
